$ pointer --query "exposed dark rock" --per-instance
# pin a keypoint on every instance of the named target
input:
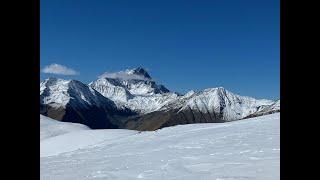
(262, 113)
(160, 119)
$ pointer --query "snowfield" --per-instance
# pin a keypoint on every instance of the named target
(51, 128)
(239, 150)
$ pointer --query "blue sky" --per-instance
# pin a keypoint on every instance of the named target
(185, 44)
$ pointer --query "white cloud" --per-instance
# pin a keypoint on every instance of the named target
(124, 75)
(59, 69)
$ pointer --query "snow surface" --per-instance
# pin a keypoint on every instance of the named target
(246, 149)
(50, 127)
(79, 139)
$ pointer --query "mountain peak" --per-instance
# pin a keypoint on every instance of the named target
(217, 89)
(129, 74)
(140, 71)
(50, 80)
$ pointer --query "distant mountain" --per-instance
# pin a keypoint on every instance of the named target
(212, 105)
(73, 101)
(131, 99)
(133, 89)
(270, 109)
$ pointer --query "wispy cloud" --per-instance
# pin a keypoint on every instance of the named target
(59, 69)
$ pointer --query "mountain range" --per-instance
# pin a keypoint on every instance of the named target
(131, 99)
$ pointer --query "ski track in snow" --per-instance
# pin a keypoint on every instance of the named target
(240, 150)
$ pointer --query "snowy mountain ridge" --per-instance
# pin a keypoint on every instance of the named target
(143, 104)
(144, 95)
(134, 89)
(129, 74)
(73, 101)
(231, 105)
(60, 92)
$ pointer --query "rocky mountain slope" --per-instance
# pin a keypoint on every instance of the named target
(73, 101)
(212, 105)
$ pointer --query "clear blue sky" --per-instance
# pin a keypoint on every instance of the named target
(185, 44)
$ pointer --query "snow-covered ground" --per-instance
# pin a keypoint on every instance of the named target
(245, 149)
(50, 128)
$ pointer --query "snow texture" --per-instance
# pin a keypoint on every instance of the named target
(51, 128)
(238, 150)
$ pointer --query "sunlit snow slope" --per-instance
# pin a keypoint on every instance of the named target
(246, 149)
(51, 128)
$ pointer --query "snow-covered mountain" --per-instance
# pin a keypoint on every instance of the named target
(220, 102)
(140, 103)
(209, 105)
(134, 89)
(246, 149)
(73, 101)
(269, 109)
(59, 92)
(131, 99)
